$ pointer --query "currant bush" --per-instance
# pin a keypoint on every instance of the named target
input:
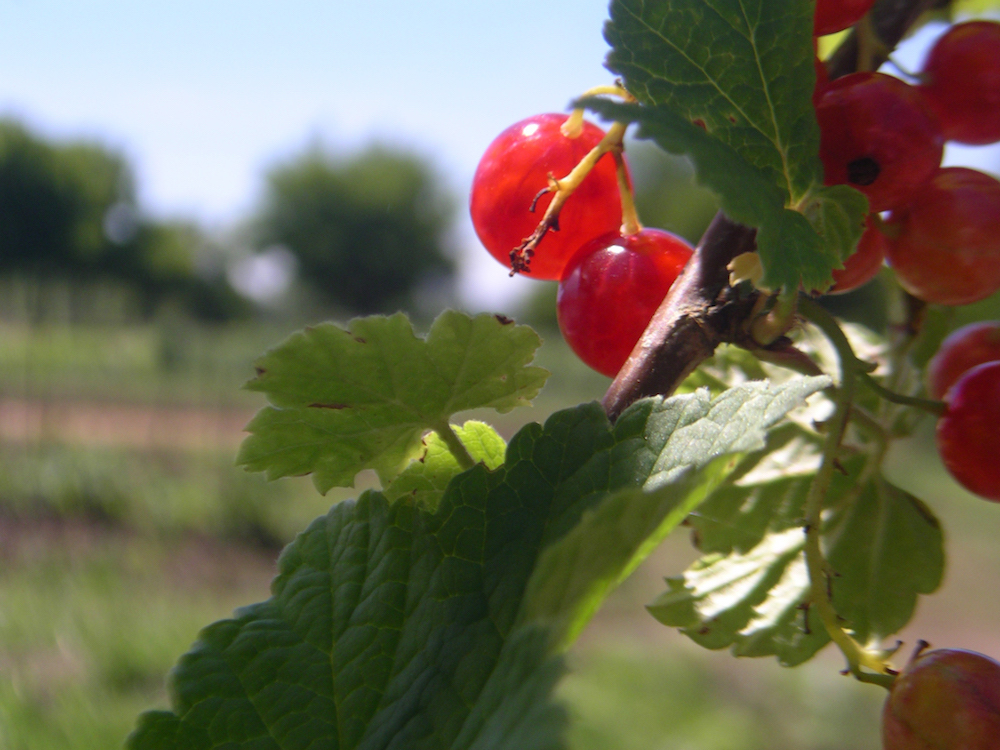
(611, 289)
(945, 245)
(961, 82)
(516, 167)
(971, 345)
(946, 698)
(967, 435)
(878, 135)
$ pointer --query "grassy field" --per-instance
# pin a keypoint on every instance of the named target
(121, 538)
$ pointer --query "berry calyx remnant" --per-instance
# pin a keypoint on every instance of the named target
(946, 248)
(836, 15)
(878, 135)
(969, 346)
(864, 264)
(611, 289)
(944, 699)
(967, 435)
(961, 82)
(514, 175)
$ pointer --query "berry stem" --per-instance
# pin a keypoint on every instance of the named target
(574, 124)
(937, 408)
(520, 257)
(630, 217)
(858, 657)
(455, 446)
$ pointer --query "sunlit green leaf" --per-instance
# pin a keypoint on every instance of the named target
(395, 626)
(425, 479)
(750, 592)
(348, 399)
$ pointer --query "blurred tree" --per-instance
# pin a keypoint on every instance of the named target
(68, 212)
(53, 202)
(366, 231)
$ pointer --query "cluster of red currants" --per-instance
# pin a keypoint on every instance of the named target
(611, 278)
(939, 228)
(886, 137)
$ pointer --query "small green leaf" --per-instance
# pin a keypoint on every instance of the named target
(750, 591)
(425, 479)
(394, 626)
(345, 400)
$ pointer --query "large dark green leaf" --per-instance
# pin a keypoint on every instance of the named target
(391, 626)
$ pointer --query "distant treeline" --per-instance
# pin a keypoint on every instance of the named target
(366, 231)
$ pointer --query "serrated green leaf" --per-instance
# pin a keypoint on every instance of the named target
(749, 593)
(877, 592)
(393, 626)
(694, 440)
(743, 70)
(425, 479)
(345, 400)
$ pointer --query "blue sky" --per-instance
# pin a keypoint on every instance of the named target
(202, 96)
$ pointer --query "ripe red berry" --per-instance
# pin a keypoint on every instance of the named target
(611, 289)
(822, 80)
(516, 166)
(947, 245)
(962, 82)
(877, 135)
(965, 348)
(864, 264)
(836, 15)
(946, 699)
(968, 437)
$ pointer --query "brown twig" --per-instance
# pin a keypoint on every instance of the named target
(698, 314)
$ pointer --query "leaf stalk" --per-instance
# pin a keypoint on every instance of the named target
(455, 446)
(858, 657)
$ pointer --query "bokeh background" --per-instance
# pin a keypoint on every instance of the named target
(181, 186)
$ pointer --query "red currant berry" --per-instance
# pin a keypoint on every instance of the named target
(877, 135)
(945, 245)
(944, 699)
(962, 82)
(864, 264)
(516, 167)
(822, 80)
(967, 435)
(965, 348)
(836, 15)
(611, 289)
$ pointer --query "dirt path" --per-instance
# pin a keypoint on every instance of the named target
(145, 427)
